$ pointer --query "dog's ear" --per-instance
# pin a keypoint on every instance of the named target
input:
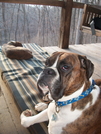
(56, 52)
(87, 65)
(47, 61)
(52, 57)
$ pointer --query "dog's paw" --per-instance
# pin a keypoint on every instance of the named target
(24, 117)
(41, 106)
(27, 112)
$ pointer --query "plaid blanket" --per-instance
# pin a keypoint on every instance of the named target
(21, 76)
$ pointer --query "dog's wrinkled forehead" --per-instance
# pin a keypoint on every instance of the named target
(59, 57)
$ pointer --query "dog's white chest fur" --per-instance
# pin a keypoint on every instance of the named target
(64, 117)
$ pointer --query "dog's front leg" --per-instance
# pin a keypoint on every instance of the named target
(29, 120)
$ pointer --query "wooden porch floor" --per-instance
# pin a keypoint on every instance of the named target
(9, 114)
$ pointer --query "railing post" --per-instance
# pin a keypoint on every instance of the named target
(65, 24)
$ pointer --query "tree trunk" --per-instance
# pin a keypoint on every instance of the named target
(79, 33)
(17, 21)
(4, 23)
(12, 21)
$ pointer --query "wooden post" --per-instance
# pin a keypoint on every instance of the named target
(65, 24)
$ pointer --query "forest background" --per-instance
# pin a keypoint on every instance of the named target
(41, 24)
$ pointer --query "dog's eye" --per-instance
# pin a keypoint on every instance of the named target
(65, 67)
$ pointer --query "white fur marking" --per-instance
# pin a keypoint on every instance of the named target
(95, 92)
(55, 63)
(56, 71)
(41, 106)
(63, 118)
(28, 121)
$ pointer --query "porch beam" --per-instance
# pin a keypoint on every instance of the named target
(78, 5)
(37, 2)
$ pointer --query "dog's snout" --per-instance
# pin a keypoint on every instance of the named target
(49, 71)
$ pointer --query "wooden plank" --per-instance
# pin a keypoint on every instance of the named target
(94, 9)
(52, 49)
(65, 24)
(38, 2)
(6, 122)
(78, 5)
(88, 50)
(97, 45)
(88, 30)
(83, 17)
(94, 49)
(9, 114)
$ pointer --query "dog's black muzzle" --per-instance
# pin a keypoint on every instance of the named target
(49, 81)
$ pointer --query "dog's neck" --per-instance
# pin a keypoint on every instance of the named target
(75, 94)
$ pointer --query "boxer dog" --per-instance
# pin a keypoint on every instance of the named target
(76, 98)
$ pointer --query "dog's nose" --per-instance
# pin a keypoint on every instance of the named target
(49, 71)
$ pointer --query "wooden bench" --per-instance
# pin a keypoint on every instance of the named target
(88, 14)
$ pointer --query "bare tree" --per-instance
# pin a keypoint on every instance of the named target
(11, 22)
(4, 22)
(17, 21)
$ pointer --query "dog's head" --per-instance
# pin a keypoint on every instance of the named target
(64, 74)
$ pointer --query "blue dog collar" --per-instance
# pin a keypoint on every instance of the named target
(84, 94)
